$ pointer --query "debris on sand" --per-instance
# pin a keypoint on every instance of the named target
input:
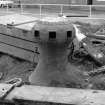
(15, 81)
(11, 67)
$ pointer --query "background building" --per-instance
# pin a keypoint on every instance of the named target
(75, 2)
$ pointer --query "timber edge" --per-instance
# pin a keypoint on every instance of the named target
(10, 94)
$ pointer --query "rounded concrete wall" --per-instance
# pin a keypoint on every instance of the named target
(53, 36)
(56, 25)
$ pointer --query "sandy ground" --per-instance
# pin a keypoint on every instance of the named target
(12, 67)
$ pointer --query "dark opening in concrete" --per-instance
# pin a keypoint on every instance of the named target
(37, 33)
(52, 35)
(69, 34)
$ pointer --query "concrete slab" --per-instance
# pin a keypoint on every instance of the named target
(18, 20)
(17, 52)
(16, 42)
(27, 26)
(58, 95)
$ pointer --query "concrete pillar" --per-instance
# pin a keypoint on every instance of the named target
(53, 35)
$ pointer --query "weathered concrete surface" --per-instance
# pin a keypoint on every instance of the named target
(53, 68)
(58, 95)
(12, 67)
(5, 89)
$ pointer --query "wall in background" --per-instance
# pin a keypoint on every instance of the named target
(46, 1)
(75, 2)
(97, 2)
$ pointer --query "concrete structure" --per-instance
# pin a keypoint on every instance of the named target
(32, 95)
(68, 96)
(53, 36)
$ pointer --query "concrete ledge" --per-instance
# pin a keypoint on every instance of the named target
(58, 95)
(17, 52)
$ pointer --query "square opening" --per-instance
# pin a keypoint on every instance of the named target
(69, 34)
(52, 35)
(36, 33)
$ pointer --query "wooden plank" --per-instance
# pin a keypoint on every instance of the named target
(18, 42)
(17, 52)
(58, 95)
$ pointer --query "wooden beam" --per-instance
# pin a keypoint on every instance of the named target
(17, 32)
(18, 52)
(58, 95)
(18, 42)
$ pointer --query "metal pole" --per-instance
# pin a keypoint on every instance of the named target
(7, 8)
(90, 10)
(40, 10)
(21, 8)
(61, 10)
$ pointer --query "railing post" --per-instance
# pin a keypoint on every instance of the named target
(90, 13)
(7, 8)
(21, 7)
(40, 10)
(61, 12)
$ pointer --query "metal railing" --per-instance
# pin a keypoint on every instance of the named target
(61, 7)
